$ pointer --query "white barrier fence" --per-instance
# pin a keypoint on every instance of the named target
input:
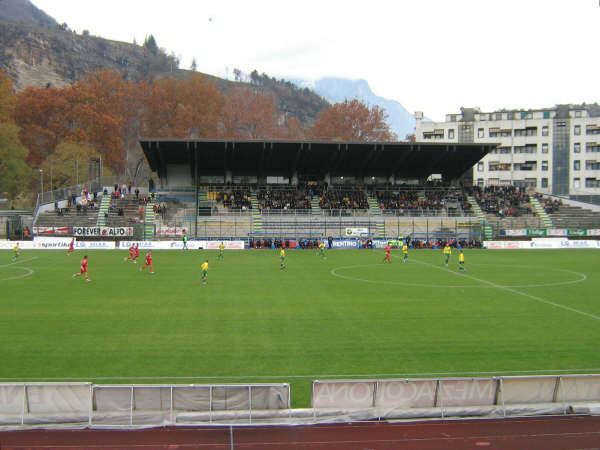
(442, 397)
(86, 404)
(542, 243)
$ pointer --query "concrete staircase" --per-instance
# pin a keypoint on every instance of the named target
(374, 209)
(257, 222)
(538, 209)
(103, 211)
(315, 208)
(486, 226)
(149, 221)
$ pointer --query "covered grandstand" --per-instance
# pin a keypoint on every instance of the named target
(222, 188)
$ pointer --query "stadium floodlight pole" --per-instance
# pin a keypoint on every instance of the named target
(42, 185)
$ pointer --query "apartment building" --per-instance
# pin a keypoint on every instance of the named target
(554, 150)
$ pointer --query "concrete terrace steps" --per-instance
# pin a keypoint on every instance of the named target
(149, 218)
(569, 216)
(539, 210)
(103, 211)
(314, 205)
(257, 222)
(488, 229)
(374, 208)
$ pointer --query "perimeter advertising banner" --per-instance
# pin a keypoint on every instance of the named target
(357, 231)
(103, 231)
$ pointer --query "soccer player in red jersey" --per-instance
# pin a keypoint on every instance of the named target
(71, 247)
(83, 270)
(136, 253)
(388, 254)
(131, 256)
(148, 262)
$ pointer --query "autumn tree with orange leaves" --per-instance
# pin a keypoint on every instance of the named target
(352, 121)
(250, 114)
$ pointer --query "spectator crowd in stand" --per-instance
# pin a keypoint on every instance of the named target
(344, 199)
(282, 199)
(503, 201)
(550, 205)
(235, 198)
(431, 201)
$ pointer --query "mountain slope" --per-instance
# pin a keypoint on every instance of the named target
(337, 90)
(23, 11)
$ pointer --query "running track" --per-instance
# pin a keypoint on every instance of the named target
(547, 433)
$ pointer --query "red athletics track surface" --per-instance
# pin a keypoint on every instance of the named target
(547, 433)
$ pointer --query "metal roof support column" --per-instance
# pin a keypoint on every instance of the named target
(196, 190)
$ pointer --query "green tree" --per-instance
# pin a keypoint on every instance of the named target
(194, 66)
(14, 172)
(68, 164)
(150, 44)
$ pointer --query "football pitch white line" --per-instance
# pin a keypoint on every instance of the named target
(317, 376)
(18, 262)
(334, 272)
(27, 273)
(509, 289)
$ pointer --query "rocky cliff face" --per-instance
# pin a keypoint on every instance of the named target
(24, 12)
(38, 56)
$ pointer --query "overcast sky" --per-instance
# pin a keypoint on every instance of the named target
(431, 55)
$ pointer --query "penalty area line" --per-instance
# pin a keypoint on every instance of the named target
(514, 291)
(316, 376)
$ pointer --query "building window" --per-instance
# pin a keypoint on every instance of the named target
(577, 113)
(479, 167)
(592, 183)
(544, 148)
(546, 114)
(480, 182)
(544, 165)
(592, 165)
(576, 164)
(509, 116)
(544, 131)
(498, 116)
(576, 183)
(577, 130)
(479, 132)
(544, 182)
(576, 147)
(451, 133)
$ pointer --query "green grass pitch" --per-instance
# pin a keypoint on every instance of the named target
(349, 315)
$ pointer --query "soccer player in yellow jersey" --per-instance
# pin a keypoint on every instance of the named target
(322, 249)
(447, 252)
(16, 252)
(282, 258)
(221, 248)
(404, 252)
(204, 268)
(461, 260)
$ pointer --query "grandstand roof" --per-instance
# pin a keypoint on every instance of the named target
(259, 157)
